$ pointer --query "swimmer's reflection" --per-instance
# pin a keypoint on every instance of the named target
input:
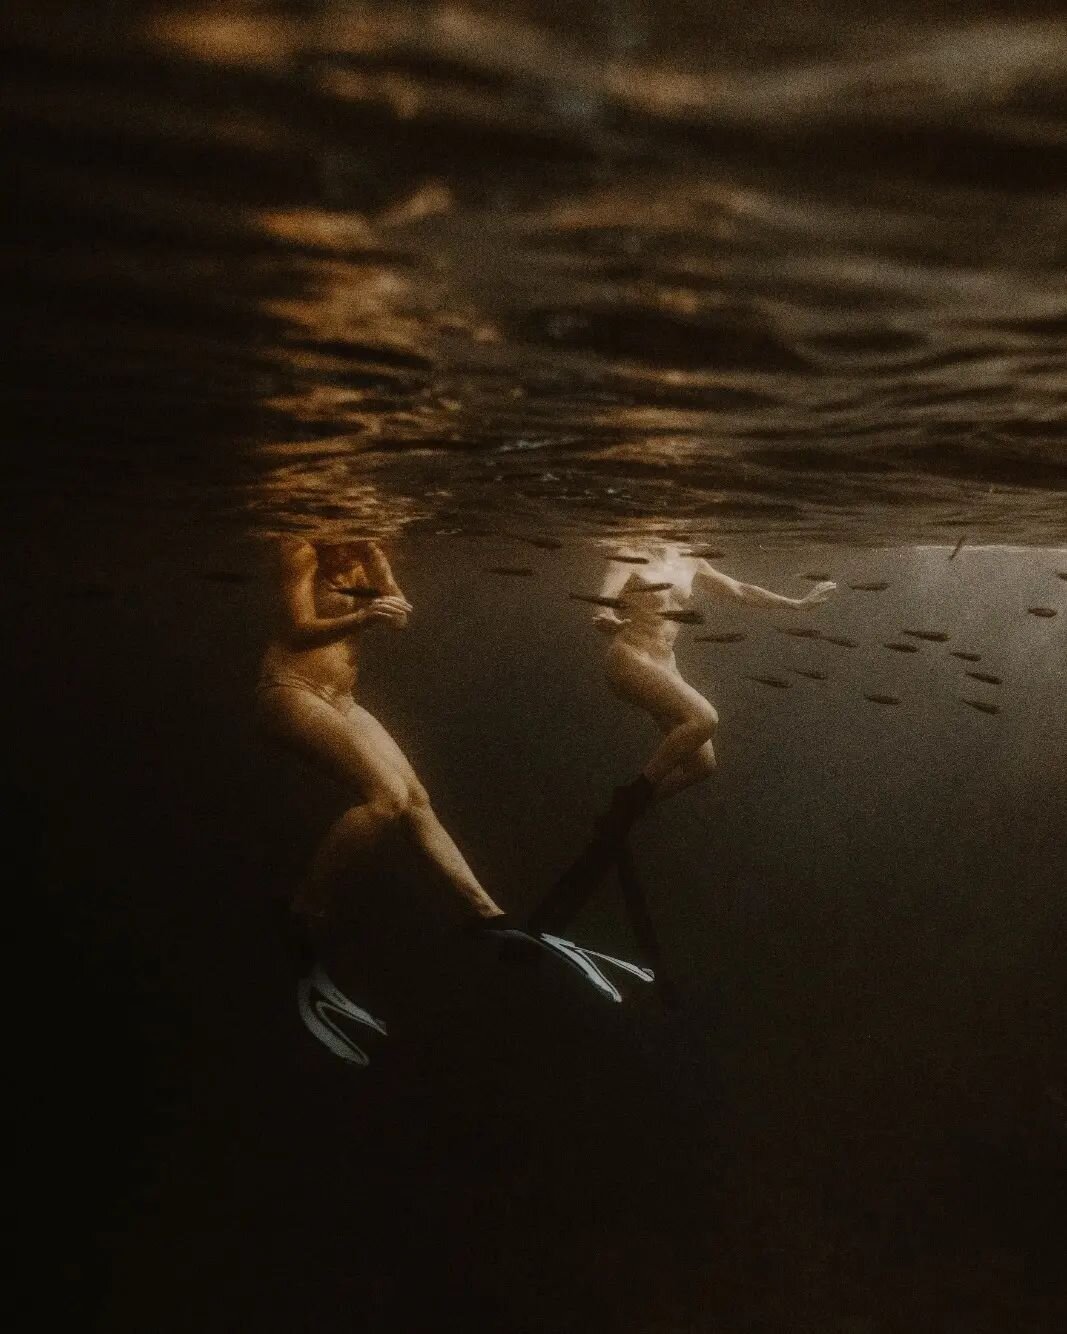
(643, 611)
(329, 595)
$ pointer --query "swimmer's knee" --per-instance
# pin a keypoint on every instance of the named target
(705, 723)
(389, 804)
(418, 799)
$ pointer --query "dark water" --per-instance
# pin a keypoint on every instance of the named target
(787, 280)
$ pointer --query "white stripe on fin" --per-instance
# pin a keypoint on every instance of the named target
(314, 1013)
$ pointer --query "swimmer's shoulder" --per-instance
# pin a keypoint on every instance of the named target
(296, 557)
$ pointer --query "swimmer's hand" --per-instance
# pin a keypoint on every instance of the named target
(393, 609)
(608, 623)
(818, 595)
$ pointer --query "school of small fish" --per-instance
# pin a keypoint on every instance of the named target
(690, 616)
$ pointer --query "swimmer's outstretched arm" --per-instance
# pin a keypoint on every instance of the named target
(301, 625)
(721, 585)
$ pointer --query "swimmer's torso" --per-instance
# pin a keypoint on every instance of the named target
(330, 669)
(644, 602)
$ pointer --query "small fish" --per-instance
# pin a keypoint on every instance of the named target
(225, 577)
(934, 636)
(707, 553)
(518, 571)
(987, 677)
(718, 639)
(966, 657)
(869, 588)
(1041, 611)
(958, 547)
(902, 648)
(816, 578)
(685, 616)
(812, 676)
(616, 603)
(840, 640)
(882, 699)
(543, 543)
(1061, 574)
(981, 705)
(631, 560)
(779, 682)
(800, 632)
(650, 588)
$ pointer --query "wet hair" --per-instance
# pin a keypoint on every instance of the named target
(338, 553)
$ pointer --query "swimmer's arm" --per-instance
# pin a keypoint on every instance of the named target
(721, 585)
(376, 566)
(301, 626)
(378, 571)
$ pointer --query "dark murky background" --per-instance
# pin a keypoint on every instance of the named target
(789, 280)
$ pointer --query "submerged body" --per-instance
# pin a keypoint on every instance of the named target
(640, 663)
(306, 697)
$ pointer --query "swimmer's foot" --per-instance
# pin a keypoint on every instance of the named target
(515, 938)
(629, 802)
(503, 921)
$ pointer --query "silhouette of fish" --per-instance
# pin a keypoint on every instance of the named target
(631, 560)
(1041, 611)
(544, 543)
(518, 571)
(882, 699)
(718, 639)
(987, 677)
(812, 676)
(799, 632)
(1061, 574)
(982, 706)
(816, 578)
(958, 547)
(840, 640)
(779, 682)
(870, 588)
(707, 553)
(966, 657)
(934, 636)
(649, 588)
(902, 648)
(615, 603)
(685, 616)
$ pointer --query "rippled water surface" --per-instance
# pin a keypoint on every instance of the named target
(796, 271)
